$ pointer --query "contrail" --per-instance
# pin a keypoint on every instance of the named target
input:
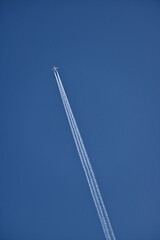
(105, 222)
(95, 187)
(87, 172)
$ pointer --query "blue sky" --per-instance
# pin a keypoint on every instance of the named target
(108, 54)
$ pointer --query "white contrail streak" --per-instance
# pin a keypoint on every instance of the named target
(87, 172)
(83, 156)
(105, 222)
(86, 159)
(84, 164)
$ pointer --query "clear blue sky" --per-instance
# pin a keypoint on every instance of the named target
(108, 53)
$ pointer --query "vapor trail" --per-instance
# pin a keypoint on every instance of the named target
(93, 196)
(92, 193)
(86, 164)
(87, 171)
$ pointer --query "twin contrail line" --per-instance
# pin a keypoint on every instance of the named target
(101, 210)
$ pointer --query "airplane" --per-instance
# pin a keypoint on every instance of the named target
(54, 68)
